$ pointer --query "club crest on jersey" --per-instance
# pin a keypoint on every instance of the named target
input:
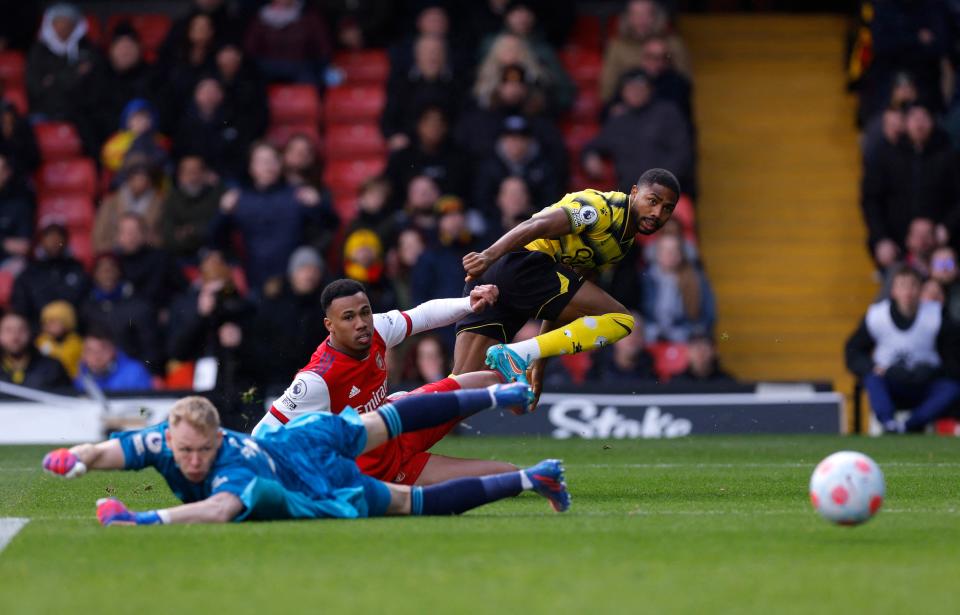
(380, 362)
(587, 213)
(298, 389)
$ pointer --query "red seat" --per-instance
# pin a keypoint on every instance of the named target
(151, 27)
(76, 210)
(577, 365)
(58, 140)
(345, 204)
(370, 66)
(347, 175)
(586, 107)
(354, 141)
(12, 67)
(576, 135)
(586, 32)
(354, 104)
(77, 176)
(584, 65)
(6, 287)
(613, 26)
(294, 104)
(280, 134)
(81, 245)
(669, 359)
(17, 95)
(94, 30)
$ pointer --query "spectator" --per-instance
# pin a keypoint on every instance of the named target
(131, 322)
(360, 24)
(363, 262)
(429, 82)
(944, 272)
(58, 337)
(244, 92)
(16, 216)
(403, 262)
(190, 207)
(109, 368)
(675, 228)
(438, 272)
(152, 272)
(885, 130)
(290, 42)
(627, 360)
(301, 167)
(478, 127)
(373, 206)
(555, 18)
(426, 361)
(640, 20)
(125, 76)
(432, 21)
(289, 325)
(17, 141)
(702, 363)
(224, 21)
(21, 363)
(521, 20)
(52, 274)
(514, 205)
(894, 353)
(60, 67)
(509, 50)
(419, 209)
(516, 154)
(184, 65)
(269, 214)
(649, 133)
(433, 154)
(677, 299)
(668, 83)
(138, 193)
(208, 130)
(136, 138)
(916, 178)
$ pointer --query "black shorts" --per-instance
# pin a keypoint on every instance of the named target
(531, 285)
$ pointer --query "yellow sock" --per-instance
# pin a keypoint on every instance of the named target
(585, 333)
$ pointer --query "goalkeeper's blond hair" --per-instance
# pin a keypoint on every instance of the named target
(196, 411)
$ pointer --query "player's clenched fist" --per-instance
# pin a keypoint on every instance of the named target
(483, 296)
(63, 463)
(475, 264)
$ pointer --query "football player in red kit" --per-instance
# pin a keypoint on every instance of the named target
(349, 368)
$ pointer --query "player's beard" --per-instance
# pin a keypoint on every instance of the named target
(654, 226)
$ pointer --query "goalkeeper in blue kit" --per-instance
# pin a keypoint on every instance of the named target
(305, 470)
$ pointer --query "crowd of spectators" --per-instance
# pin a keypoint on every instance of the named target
(212, 236)
(906, 351)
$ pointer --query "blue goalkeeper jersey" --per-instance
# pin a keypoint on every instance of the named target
(305, 470)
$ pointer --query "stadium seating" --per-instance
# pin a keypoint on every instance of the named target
(583, 65)
(76, 210)
(12, 68)
(17, 96)
(367, 67)
(587, 106)
(151, 27)
(346, 141)
(349, 174)
(94, 30)
(350, 104)
(6, 287)
(81, 246)
(294, 104)
(586, 33)
(669, 359)
(77, 176)
(57, 141)
(577, 365)
(280, 134)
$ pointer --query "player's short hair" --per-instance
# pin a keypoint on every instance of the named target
(339, 288)
(198, 412)
(660, 177)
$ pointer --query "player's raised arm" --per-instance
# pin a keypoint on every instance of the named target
(548, 225)
(221, 507)
(73, 462)
(396, 326)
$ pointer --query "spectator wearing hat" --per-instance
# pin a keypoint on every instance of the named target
(290, 42)
(516, 154)
(139, 192)
(153, 272)
(16, 216)
(52, 273)
(18, 144)
(21, 363)
(108, 367)
(112, 306)
(363, 262)
(189, 207)
(641, 133)
(702, 363)
(138, 136)
(431, 153)
(58, 338)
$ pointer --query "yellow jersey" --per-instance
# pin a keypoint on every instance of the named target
(600, 230)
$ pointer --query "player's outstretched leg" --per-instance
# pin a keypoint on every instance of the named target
(458, 496)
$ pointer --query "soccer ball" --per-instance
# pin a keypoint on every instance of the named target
(847, 488)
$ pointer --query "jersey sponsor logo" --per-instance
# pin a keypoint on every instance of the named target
(219, 480)
(380, 363)
(298, 390)
(582, 256)
(378, 396)
(138, 444)
(354, 392)
(287, 403)
(154, 442)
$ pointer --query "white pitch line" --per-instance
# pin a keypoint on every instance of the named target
(9, 526)
(667, 466)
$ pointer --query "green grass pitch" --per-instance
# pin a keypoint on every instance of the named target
(697, 525)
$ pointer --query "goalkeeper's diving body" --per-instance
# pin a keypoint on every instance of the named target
(305, 470)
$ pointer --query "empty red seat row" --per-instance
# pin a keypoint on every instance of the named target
(294, 104)
(75, 211)
(350, 104)
(367, 67)
(349, 141)
(77, 176)
(669, 359)
(12, 68)
(17, 95)
(58, 140)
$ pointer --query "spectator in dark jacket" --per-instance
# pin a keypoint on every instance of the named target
(132, 322)
(302, 168)
(703, 366)
(208, 130)
(432, 20)
(21, 363)
(429, 82)
(290, 42)
(244, 92)
(894, 353)
(153, 272)
(649, 133)
(360, 24)
(109, 368)
(184, 64)
(668, 83)
(17, 140)
(433, 154)
(16, 214)
(269, 214)
(516, 154)
(917, 178)
(190, 207)
(52, 274)
(225, 21)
